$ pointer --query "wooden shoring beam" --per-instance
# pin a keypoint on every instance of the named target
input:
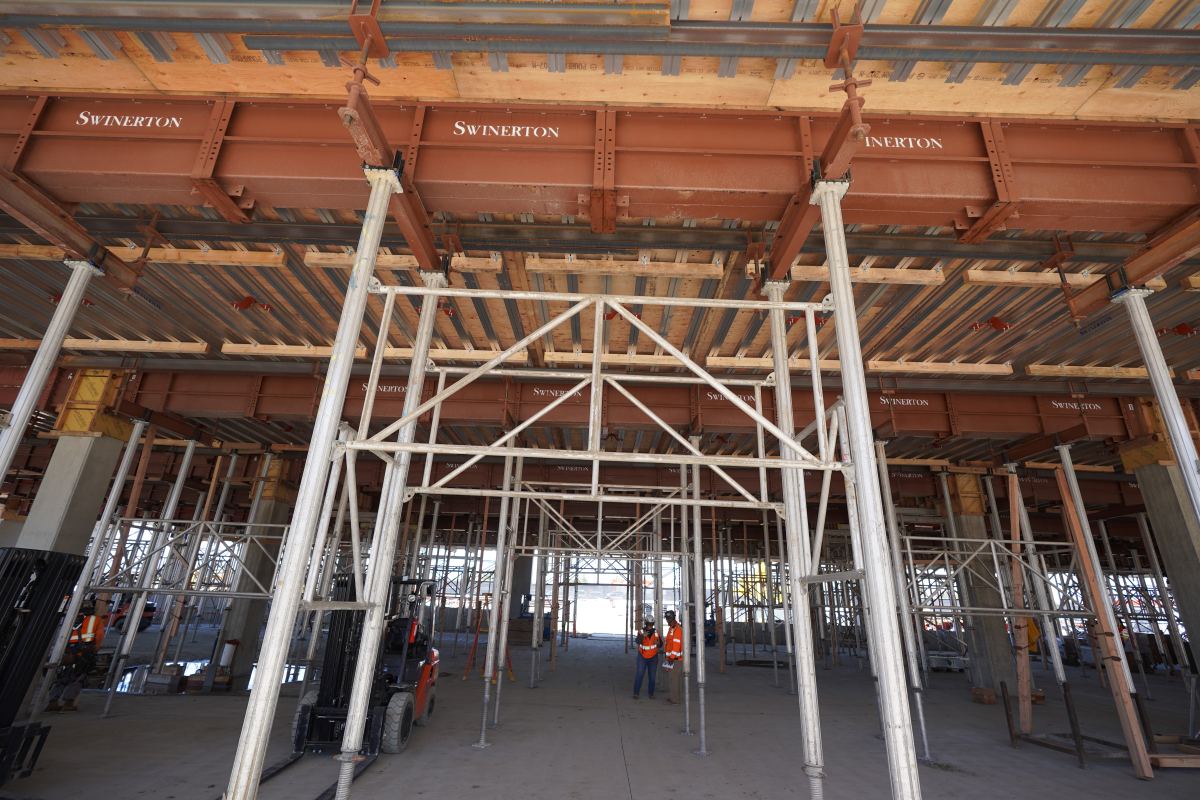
(653, 269)
(939, 367)
(162, 255)
(1066, 371)
(899, 276)
(127, 345)
(1038, 280)
(459, 263)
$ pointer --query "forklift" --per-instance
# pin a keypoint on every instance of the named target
(406, 668)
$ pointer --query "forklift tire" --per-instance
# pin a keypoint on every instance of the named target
(397, 723)
(309, 699)
(427, 717)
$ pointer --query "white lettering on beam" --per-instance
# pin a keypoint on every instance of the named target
(108, 120)
(1075, 406)
(528, 131)
(388, 389)
(906, 142)
(903, 401)
(745, 398)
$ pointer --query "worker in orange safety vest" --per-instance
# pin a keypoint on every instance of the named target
(647, 659)
(77, 661)
(673, 659)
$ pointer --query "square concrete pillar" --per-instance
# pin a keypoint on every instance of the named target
(1177, 533)
(522, 580)
(244, 619)
(993, 650)
(71, 495)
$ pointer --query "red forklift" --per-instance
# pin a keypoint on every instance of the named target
(406, 668)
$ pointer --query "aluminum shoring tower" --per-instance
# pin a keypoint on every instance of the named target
(299, 578)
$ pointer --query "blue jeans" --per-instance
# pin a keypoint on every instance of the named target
(647, 667)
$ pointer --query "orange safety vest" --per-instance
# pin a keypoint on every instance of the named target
(649, 646)
(86, 631)
(674, 642)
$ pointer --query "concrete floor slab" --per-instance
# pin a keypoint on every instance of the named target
(582, 735)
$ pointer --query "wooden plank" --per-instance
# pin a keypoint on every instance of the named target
(1078, 467)
(438, 354)
(1192, 375)
(130, 345)
(939, 367)
(900, 276)
(1112, 655)
(1190, 284)
(387, 261)
(1064, 371)
(919, 462)
(654, 269)
(1038, 280)
(300, 351)
(1164, 760)
(794, 363)
(33, 252)
(613, 358)
(160, 255)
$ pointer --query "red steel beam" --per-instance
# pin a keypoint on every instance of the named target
(27, 202)
(670, 163)
(1004, 417)
(1173, 244)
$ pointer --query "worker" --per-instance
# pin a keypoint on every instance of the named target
(78, 659)
(672, 659)
(647, 658)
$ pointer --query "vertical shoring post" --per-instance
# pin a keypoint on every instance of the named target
(785, 593)
(796, 525)
(903, 610)
(964, 596)
(507, 594)
(686, 604)
(1134, 300)
(596, 404)
(760, 442)
(656, 551)
(383, 548)
(539, 571)
(97, 551)
(184, 603)
(138, 606)
(902, 759)
(326, 557)
(260, 710)
(489, 667)
(698, 594)
(44, 360)
(1092, 583)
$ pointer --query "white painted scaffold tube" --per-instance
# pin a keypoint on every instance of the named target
(260, 711)
(877, 561)
(43, 360)
(795, 518)
(1134, 301)
(383, 553)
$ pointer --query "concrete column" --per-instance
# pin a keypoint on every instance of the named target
(991, 647)
(1178, 536)
(244, 619)
(71, 494)
(993, 656)
(522, 579)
